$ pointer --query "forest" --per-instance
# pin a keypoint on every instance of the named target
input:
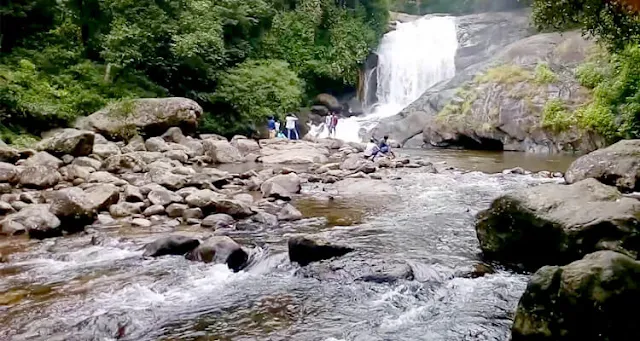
(241, 60)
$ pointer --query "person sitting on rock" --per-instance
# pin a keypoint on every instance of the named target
(384, 146)
(371, 150)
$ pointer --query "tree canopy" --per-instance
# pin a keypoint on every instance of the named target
(62, 59)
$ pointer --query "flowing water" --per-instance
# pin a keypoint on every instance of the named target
(69, 289)
(411, 59)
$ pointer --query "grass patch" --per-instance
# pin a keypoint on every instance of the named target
(544, 75)
(556, 117)
(505, 74)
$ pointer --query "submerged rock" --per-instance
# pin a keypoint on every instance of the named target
(557, 224)
(220, 250)
(170, 245)
(357, 267)
(305, 250)
(617, 165)
(590, 299)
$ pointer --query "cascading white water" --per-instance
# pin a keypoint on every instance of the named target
(411, 59)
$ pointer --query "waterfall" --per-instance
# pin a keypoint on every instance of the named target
(411, 59)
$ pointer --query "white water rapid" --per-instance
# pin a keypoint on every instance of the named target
(411, 59)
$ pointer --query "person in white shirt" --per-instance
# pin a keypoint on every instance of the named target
(327, 124)
(290, 125)
(371, 150)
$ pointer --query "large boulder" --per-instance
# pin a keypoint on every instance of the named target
(280, 151)
(102, 196)
(305, 249)
(556, 224)
(73, 207)
(328, 101)
(617, 165)
(39, 177)
(245, 145)
(281, 186)
(220, 250)
(589, 299)
(170, 245)
(43, 159)
(222, 151)
(68, 141)
(147, 116)
(36, 220)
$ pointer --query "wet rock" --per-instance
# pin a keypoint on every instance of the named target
(220, 250)
(43, 159)
(154, 210)
(176, 210)
(125, 209)
(234, 208)
(106, 150)
(132, 194)
(289, 213)
(123, 163)
(6, 208)
(202, 198)
(589, 299)
(73, 207)
(222, 151)
(265, 218)
(105, 220)
(36, 220)
(281, 186)
(616, 165)
(139, 222)
(9, 154)
(218, 220)
(305, 250)
(192, 213)
(478, 270)
(566, 222)
(358, 267)
(103, 196)
(39, 177)
(164, 197)
(516, 170)
(68, 141)
(106, 178)
(171, 245)
(8, 172)
(150, 116)
(87, 162)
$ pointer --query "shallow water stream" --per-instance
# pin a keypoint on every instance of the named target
(69, 289)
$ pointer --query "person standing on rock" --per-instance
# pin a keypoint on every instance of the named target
(327, 124)
(334, 124)
(271, 126)
(290, 125)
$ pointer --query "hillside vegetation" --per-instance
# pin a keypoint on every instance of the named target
(240, 59)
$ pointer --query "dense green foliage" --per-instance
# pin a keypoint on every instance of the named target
(240, 59)
(421, 7)
(613, 74)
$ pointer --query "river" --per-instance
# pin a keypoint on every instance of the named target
(69, 289)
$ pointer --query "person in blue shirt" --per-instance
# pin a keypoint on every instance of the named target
(271, 125)
(384, 146)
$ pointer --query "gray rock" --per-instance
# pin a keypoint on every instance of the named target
(8, 172)
(106, 150)
(19, 205)
(202, 198)
(141, 222)
(125, 209)
(171, 245)
(164, 197)
(187, 191)
(72, 172)
(156, 144)
(87, 162)
(33, 197)
(177, 155)
(132, 194)
(244, 145)
(154, 210)
(68, 141)
(566, 222)
(43, 159)
(222, 151)
(589, 299)
(167, 179)
(176, 210)
(220, 250)
(244, 197)
(136, 144)
(281, 186)
(102, 196)
(39, 177)
(265, 218)
(105, 178)
(67, 159)
(357, 267)
(9, 154)
(356, 162)
(174, 134)
(36, 220)
(123, 163)
(218, 220)
(73, 207)
(306, 249)
(288, 212)
(150, 116)
(617, 165)
(192, 213)
(6, 208)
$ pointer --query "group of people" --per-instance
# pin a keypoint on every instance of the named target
(290, 126)
(330, 122)
(378, 148)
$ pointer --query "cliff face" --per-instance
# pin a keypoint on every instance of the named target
(506, 81)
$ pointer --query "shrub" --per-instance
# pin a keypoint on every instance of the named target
(556, 117)
(544, 75)
(504, 74)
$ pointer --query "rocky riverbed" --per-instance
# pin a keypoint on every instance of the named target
(160, 238)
